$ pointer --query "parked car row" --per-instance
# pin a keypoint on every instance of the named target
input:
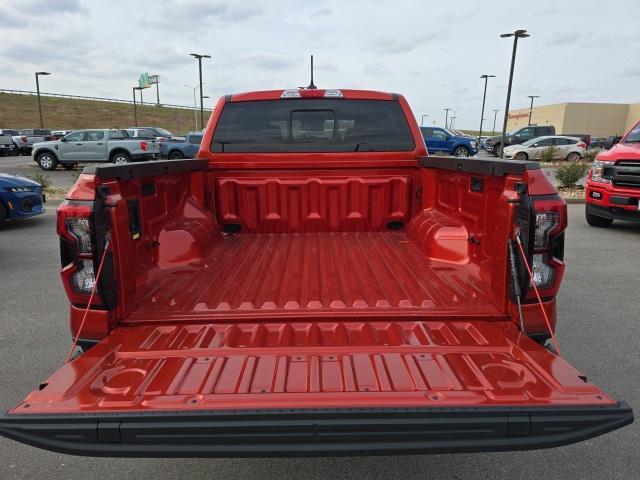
(448, 142)
(569, 148)
(613, 184)
(98, 145)
(23, 140)
(20, 197)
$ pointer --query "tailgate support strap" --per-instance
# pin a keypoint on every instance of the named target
(535, 289)
(93, 292)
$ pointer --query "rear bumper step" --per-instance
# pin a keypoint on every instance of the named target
(314, 432)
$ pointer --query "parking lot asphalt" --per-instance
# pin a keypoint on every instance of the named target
(25, 166)
(598, 332)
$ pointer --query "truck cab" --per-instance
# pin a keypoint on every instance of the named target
(444, 141)
(313, 283)
(613, 184)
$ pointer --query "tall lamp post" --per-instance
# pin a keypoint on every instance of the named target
(38, 91)
(531, 107)
(446, 118)
(453, 121)
(484, 97)
(135, 109)
(200, 57)
(495, 117)
(422, 119)
(516, 35)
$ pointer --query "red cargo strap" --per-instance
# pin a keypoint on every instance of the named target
(93, 292)
(535, 289)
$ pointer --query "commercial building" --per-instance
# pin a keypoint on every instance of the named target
(596, 119)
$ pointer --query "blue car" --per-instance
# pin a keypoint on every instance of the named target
(441, 140)
(181, 147)
(19, 197)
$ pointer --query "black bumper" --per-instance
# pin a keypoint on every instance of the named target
(614, 213)
(314, 432)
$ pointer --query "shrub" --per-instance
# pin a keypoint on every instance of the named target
(41, 179)
(569, 173)
(549, 154)
(590, 154)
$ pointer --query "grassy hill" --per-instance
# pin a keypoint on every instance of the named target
(21, 111)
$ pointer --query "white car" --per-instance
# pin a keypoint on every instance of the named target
(570, 148)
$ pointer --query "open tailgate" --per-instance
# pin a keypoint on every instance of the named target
(313, 388)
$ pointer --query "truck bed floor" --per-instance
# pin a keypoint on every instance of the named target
(315, 274)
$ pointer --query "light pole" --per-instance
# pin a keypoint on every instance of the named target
(200, 57)
(484, 97)
(135, 110)
(516, 35)
(531, 107)
(446, 118)
(38, 91)
(422, 119)
(453, 121)
(495, 117)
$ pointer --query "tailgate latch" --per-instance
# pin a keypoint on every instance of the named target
(109, 431)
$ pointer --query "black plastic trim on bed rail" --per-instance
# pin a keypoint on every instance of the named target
(482, 166)
(313, 431)
(131, 171)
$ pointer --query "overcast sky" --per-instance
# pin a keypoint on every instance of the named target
(432, 52)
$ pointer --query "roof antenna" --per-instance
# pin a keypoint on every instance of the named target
(311, 85)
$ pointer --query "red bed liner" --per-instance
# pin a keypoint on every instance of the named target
(310, 274)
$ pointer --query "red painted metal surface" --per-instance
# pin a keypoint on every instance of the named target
(620, 151)
(310, 274)
(312, 365)
(315, 200)
(277, 94)
(312, 160)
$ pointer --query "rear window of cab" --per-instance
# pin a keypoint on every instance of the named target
(312, 125)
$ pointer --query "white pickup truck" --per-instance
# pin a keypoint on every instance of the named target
(99, 145)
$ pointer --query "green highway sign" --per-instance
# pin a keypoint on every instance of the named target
(143, 81)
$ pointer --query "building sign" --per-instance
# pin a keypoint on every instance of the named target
(515, 116)
(153, 79)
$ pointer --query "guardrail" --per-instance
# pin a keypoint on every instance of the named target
(99, 99)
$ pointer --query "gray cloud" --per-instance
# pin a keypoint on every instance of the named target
(199, 10)
(391, 45)
(270, 61)
(432, 53)
(321, 12)
(564, 38)
(377, 69)
(47, 7)
(9, 19)
(631, 72)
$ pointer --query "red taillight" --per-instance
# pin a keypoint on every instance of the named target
(24, 139)
(582, 145)
(144, 146)
(77, 247)
(547, 246)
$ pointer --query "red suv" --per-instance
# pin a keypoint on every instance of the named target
(613, 185)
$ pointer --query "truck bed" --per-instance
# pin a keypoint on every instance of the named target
(281, 275)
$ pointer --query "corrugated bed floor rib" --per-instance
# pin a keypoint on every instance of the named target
(297, 274)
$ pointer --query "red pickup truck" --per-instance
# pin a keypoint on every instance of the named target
(613, 185)
(312, 284)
